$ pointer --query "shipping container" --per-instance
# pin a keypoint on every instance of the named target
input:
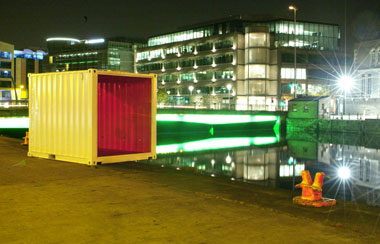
(92, 116)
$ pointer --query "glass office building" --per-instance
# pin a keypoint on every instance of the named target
(242, 62)
(108, 54)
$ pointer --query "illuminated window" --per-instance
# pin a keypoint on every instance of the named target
(362, 90)
(5, 74)
(187, 77)
(224, 74)
(256, 40)
(288, 73)
(256, 71)
(369, 85)
(287, 170)
(5, 55)
(204, 75)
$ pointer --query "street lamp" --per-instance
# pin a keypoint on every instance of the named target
(345, 83)
(229, 87)
(292, 7)
(191, 88)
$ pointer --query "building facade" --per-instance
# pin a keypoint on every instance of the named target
(15, 65)
(364, 96)
(6, 69)
(26, 61)
(67, 54)
(242, 62)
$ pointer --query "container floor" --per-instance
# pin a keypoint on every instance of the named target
(102, 152)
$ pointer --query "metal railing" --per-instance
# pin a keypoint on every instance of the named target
(13, 103)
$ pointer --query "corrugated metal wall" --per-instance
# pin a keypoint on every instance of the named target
(60, 110)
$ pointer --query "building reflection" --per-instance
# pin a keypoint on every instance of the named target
(364, 163)
(278, 164)
(267, 165)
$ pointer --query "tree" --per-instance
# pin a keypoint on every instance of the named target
(162, 96)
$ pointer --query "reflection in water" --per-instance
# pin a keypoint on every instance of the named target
(363, 166)
(215, 143)
(359, 164)
(266, 161)
(242, 158)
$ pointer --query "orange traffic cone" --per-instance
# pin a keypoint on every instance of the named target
(318, 182)
(306, 179)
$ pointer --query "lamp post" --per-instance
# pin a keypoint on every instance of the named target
(292, 7)
(191, 88)
(229, 87)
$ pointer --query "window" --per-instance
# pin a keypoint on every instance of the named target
(362, 90)
(5, 55)
(5, 74)
(187, 77)
(373, 58)
(5, 84)
(186, 63)
(224, 59)
(142, 56)
(205, 46)
(204, 61)
(224, 43)
(221, 90)
(256, 71)
(202, 90)
(170, 78)
(204, 75)
(288, 73)
(181, 36)
(256, 40)
(369, 85)
(257, 55)
(171, 65)
(5, 65)
(224, 74)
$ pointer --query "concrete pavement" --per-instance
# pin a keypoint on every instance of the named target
(45, 201)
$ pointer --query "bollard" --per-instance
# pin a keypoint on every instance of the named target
(312, 193)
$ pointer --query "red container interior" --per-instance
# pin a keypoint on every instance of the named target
(124, 115)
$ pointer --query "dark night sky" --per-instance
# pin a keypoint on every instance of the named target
(28, 23)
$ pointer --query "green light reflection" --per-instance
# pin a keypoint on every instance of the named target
(215, 143)
(215, 118)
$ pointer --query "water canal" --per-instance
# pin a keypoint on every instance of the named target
(351, 162)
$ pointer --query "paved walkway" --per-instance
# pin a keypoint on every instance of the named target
(43, 201)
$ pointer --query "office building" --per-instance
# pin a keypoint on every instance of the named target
(26, 61)
(242, 62)
(6, 67)
(67, 54)
(15, 65)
